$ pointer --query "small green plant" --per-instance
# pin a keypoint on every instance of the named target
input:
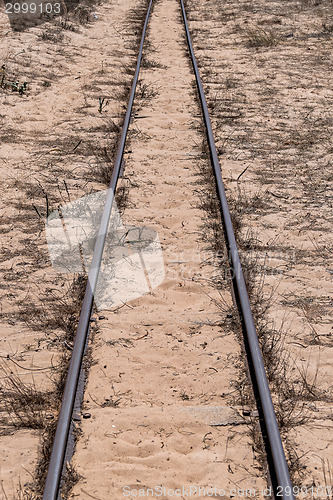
(3, 75)
(52, 35)
(16, 86)
(102, 104)
(150, 64)
(145, 91)
(111, 402)
(22, 88)
(184, 396)
(65, 25)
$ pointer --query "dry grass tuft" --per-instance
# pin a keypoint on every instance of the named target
(22, 404)
(260, 38)
(103, 168)
(55, 309)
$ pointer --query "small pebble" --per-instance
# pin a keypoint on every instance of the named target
(86, 415)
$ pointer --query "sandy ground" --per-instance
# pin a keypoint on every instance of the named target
(161, 398)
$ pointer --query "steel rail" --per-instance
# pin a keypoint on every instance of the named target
(53, 478)
(280, 464)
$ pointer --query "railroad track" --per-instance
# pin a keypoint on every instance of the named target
(278, 468)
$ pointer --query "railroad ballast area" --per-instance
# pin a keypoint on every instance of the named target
(173, 402)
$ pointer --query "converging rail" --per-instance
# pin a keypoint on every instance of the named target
(276, 457)
(64, 421)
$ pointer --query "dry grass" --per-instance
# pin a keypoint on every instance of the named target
(55, 309)
(52, 34)
(293, 387)
(22, 405)
(71, 478)
(145, 92)
(260, 38)
(103, 163)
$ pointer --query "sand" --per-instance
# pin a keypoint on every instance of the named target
(161, 396)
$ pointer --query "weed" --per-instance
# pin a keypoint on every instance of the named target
(328, 28)
(3, 75)
(55, 309)
(44, 455)
(104, 160)
(111, 402)
(145, 91)
(22, 493)
(150, 63)
(122, 197)
(70, 479)
(261, 38)
(102, 103)
(52, 35)
(82, 13)
(184, 396)
(65, 25)
(14, 86)
(121, 341)
(23, 403)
